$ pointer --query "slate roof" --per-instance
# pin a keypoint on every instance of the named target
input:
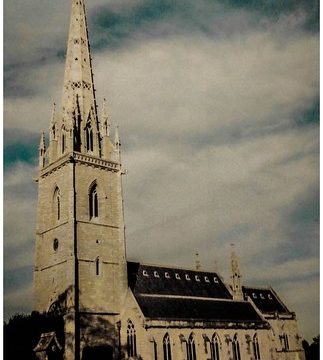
(197, 309)
(266, 300)
(170, 281)
(165, 293)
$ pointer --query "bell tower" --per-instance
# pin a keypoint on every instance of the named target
(80, 264)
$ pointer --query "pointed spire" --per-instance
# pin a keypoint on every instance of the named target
(42, 150)
(197, 262)
(53, 117)
(42, 145)
(78, 78)
(117, 139)
(105, 119)
(235, 276)
(52, 124)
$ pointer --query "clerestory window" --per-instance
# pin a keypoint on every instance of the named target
(191, 350)
(236, 348)
(215, 348)
(167, 347)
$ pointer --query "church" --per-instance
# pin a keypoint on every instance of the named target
(113, 308)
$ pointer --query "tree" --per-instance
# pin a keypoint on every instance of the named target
(22, 333)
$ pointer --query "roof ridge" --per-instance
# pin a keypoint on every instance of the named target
(175, 268)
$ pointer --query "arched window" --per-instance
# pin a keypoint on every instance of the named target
(236, 348)
(89, 138)
(97, 266)
(63, 142)
(93, 202)
(284, 342)
(215, 348)
(167, 348)
(57, 204)
(255, 345)
(131, 339)
(191, 351)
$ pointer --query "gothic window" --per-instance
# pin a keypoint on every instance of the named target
(255, 345)
(131, 340)
(284, 342)
(236, 348)
(63, 140)
(167, 347)
(89, 138)
(155, 350)
(191, 351)
(215, 348)
(97, 266)
(57, 204)
(93, 202)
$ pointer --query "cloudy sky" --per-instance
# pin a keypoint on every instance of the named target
(218, 107)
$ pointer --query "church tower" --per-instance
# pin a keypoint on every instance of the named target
(80, 264)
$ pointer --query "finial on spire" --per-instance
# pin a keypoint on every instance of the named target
(42, 150)
(197, 261)
(235, 276)
(53, 118)
(105, 119)
(42, 145)
(117, 139)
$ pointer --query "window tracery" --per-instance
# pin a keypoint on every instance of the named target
(191, 350)
(131, 339)
(215, 348)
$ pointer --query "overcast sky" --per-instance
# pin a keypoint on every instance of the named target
(218, 107)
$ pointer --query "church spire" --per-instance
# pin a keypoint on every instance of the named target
(78, 103)
(235, 276)
(42, 150)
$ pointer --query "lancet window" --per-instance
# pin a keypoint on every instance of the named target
(89, 138)
(63, 142)
(57, 204)
(255, 345)
(215, 348)
(191, 350)
(93, 202)
(236, 348)
(131, 340)
(167, 347)
(97, 266)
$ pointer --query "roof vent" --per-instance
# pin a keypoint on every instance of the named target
(197, 278)
(167, 276)
(187, 277)
(216, 280)
(206, 279)
(156, 274)
(177, 276)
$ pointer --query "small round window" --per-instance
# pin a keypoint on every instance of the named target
(55, 244)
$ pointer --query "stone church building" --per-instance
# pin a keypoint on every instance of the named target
(113, 308)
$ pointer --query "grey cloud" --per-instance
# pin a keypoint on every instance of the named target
(215, 151)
